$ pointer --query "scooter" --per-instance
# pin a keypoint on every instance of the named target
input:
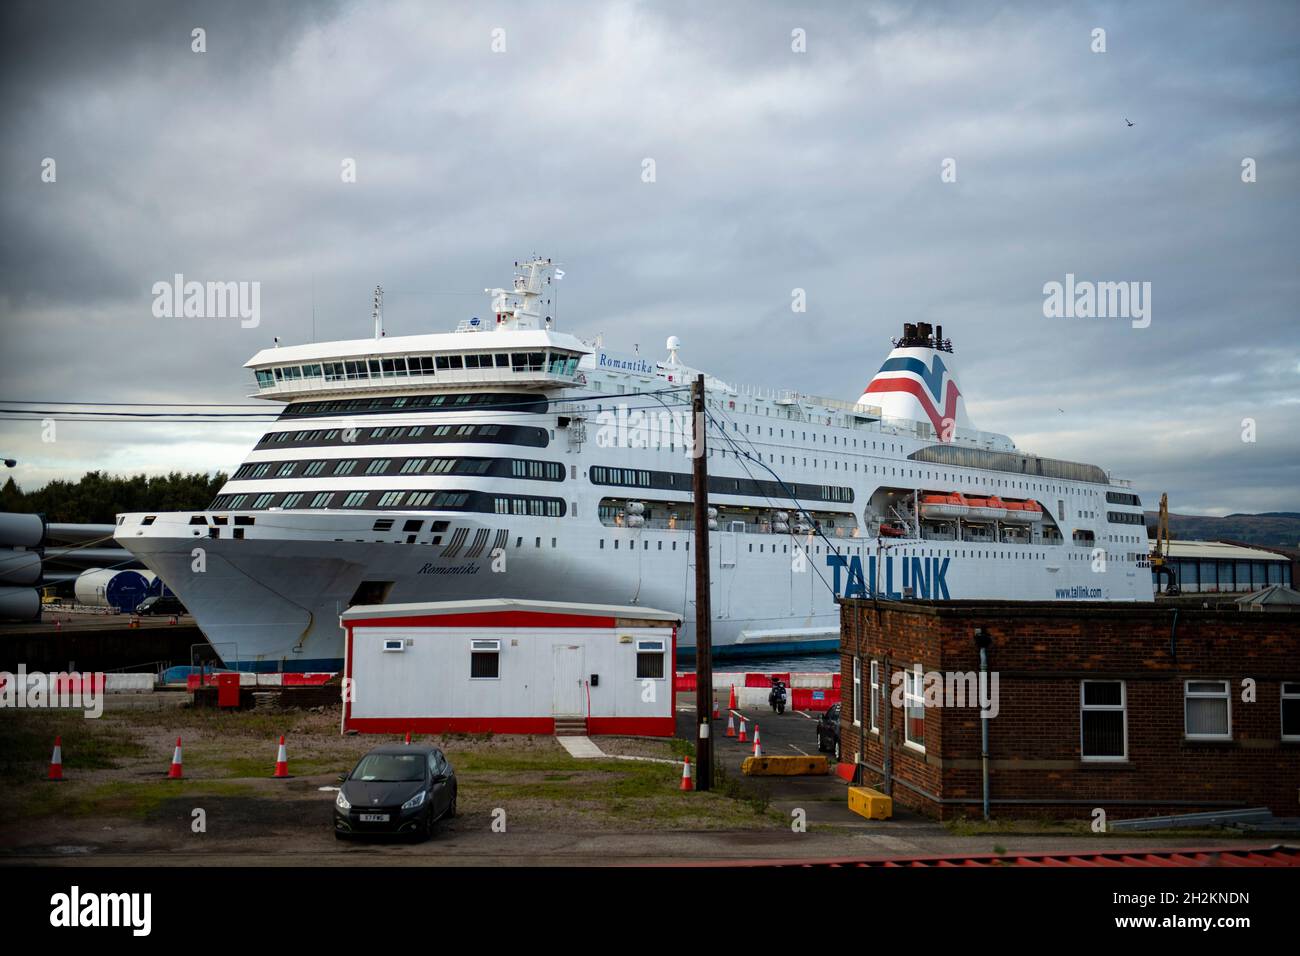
(776, 698)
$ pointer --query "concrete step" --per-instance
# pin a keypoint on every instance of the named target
(570, 727)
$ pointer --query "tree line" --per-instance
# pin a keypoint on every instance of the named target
(96, 497)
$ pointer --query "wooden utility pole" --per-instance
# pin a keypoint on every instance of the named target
(703, 611)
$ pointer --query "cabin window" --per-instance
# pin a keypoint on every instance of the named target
(484, 660)
(650, 660)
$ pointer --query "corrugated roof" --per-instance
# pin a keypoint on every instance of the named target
(488, 605)
(1218, 549)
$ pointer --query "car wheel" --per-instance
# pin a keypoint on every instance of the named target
(430, 824)
(451, 807)
(821, 743)
(837, 750)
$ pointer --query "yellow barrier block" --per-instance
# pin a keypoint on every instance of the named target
(871, 804)
(784, 766)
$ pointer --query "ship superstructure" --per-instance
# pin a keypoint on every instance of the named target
(510, 459)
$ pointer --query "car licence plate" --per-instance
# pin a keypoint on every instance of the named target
(374, 818)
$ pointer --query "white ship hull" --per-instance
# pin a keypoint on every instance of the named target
(273, 603)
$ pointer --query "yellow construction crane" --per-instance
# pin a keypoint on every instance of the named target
(1160, 553)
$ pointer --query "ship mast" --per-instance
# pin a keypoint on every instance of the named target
(377, 311)
(520, 308)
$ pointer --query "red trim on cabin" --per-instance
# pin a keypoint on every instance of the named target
(614, 726)
(489, 619)
(672, 663)
(347, 677)
(634, 726)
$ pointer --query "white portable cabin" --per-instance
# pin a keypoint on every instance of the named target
(508, 667)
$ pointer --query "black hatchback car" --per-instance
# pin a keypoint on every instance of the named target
(397, 789)
(828, 731)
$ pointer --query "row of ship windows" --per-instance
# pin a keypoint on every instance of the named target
(442, 402)
(339, 468)
(642, 478)
(497, 434)
(883, 470)
(476, 501)
(405, 366)
(538, 437)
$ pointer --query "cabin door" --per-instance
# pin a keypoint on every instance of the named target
(568, 696)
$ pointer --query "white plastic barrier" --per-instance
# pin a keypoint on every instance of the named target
(818, 680)
(129, 683)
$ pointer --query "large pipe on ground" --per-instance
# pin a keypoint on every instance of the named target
(21, 531)
(19, 604)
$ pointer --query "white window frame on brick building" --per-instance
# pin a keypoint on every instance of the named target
(875, 697)
(857, 691)
(1223, 692)
(1291, 694)
(1086, 708)
(913, 698)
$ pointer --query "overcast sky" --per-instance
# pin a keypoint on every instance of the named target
(774, 170)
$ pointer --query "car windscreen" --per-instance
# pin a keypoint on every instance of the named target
(390, 768)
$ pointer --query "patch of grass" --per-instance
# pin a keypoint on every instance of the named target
(137, 800)
(27, 742)
(224, 722)
(757, 796)
(264, 767)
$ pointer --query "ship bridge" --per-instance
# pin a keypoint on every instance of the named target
(518, 347)
(451, 360)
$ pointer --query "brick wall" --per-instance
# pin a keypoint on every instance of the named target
(1041, 652)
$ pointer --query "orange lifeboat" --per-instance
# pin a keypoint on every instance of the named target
(1023, 512)
(987, 509)
(943, 507)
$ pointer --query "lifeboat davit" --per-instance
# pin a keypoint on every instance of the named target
(987, 509)
(944, 506)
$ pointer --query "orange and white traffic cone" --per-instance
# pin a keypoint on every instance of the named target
(731, 725)
(408, 737)
(687, 782)
(732, 705)
(175, 772)
(56, 760)
(281, 761)
(716, 714)
(742, 737)
(758, 747)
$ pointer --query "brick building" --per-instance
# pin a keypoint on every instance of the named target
(1137, 709)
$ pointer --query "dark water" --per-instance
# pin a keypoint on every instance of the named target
(795, 663)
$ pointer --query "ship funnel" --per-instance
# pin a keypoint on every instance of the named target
(918, 383)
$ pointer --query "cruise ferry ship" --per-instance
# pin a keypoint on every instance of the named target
(507, 458)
